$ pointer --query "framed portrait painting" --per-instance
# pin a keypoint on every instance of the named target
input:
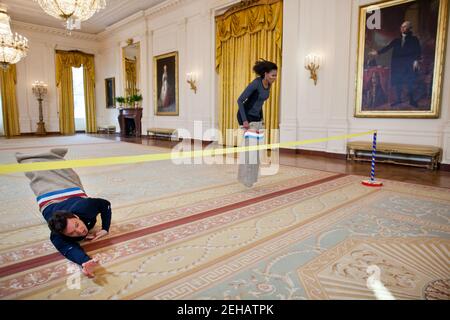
(401, 49)
(110, 93)
(166, 84)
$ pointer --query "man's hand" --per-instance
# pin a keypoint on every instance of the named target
(246, 125)
(88, 267)
(373, 53)
(97, 235)
(416, 66)
(90, 236)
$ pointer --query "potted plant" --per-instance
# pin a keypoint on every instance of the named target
(129, 101)
(137, 98)
(120, 100)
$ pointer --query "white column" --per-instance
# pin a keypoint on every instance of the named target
(289, 98)
(150, 96)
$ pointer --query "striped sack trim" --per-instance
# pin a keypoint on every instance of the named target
(46, 199)
(253, 135)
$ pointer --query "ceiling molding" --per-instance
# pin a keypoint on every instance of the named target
(153, 11)
(54, 31)
(165, 6)
(220, 7)
(29, 11)
(109, 30)
(125, 21)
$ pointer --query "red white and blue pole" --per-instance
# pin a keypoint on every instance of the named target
(372, 182)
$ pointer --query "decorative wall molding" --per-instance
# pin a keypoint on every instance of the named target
(163, 7)
(55, 31)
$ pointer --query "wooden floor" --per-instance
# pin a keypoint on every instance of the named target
(438, 178)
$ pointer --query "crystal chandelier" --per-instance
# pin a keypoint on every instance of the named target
(12, 47)
(72, 11)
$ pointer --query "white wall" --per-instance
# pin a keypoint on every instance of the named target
(39, 64)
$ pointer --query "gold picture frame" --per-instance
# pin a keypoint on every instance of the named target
(110, 93)
(165, 81)
(400, 63)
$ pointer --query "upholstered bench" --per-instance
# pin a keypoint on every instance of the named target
(106, 129)
(407, 154)
(163, 132)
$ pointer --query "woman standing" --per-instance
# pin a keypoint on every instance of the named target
(250, 118)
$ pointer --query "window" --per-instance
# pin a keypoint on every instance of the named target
(78, 99)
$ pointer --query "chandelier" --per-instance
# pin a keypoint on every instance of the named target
(72, 11)
(12, 47)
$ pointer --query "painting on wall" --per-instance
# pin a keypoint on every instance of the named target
(166, 84)
(401, 50)
(110, 93)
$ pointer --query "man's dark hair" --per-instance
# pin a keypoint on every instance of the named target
(262, 66)
(58, 222)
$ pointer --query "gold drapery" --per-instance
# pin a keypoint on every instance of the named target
(131, 77)
(8, 80)
(244, 34)
(89, 101)
(65, 60)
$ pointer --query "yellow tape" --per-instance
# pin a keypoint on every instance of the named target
(108, 161)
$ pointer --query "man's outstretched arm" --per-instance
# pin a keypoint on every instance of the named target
(74, 252)
(383, 50)
(388, 47)
(70, 250)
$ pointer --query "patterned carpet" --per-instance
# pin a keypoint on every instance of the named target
(193, 232)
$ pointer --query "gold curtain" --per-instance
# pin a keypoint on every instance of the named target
(244, 34)
(65, 60)
(131, 77)
(89, 94)
(8, 80)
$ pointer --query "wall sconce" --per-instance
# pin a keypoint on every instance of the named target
(191, 78)
(312, 63)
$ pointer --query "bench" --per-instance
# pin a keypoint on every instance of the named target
(406, 154)
(106, 129)
(163, 132)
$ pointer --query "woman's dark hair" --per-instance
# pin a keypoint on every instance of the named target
(58, 222)
(262, 66)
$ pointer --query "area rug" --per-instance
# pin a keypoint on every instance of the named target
(192, 232)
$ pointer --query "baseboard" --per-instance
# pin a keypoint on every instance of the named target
(444, 167)
(33, 134)
(288, 151)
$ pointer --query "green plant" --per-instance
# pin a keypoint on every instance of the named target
(129, 100)
(137, 97)
(120, 100)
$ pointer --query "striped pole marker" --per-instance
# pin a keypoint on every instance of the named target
(372, 182)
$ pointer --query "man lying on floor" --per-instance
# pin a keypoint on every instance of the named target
(69, 212)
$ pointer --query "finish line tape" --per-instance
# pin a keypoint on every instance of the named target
(108, 161)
